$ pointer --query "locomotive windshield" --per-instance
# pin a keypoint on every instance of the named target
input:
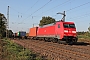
(69, 25)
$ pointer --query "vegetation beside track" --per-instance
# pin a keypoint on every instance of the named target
(12, 51)
(85, 37)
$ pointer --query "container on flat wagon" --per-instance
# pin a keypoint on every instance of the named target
(33, 31)
(21, 33)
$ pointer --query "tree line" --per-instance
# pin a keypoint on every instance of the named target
(3, 27)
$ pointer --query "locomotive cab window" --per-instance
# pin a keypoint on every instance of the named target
(69, 25)
(58, 25)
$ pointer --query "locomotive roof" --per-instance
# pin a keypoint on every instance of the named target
(56, 22)
(47, 25)
(64, 22)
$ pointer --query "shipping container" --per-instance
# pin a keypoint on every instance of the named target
(33, 31)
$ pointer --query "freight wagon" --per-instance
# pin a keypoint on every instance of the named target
(20, 35)
(57, 32)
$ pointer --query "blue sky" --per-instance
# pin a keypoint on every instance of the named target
(24, 13)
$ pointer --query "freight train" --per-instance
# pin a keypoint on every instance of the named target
(61, 32)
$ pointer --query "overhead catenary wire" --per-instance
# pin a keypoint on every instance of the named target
(27, 9)
(77, 6)
(55, 7)
(66, 10)
(38, 9)
(77, 17)
(19, 14)
(62, 4)
(32, 6)
(16, 10)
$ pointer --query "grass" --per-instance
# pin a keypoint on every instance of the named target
(84, 38)
(12, 51)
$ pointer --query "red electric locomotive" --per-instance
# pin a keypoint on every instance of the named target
(57, 32)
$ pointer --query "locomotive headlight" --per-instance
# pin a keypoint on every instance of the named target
(73, 31)
(66, 31)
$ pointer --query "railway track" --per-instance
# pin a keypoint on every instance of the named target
(56, 51)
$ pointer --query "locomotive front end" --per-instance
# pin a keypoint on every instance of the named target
(70, 35)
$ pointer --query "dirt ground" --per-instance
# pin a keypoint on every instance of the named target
(55, 51)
